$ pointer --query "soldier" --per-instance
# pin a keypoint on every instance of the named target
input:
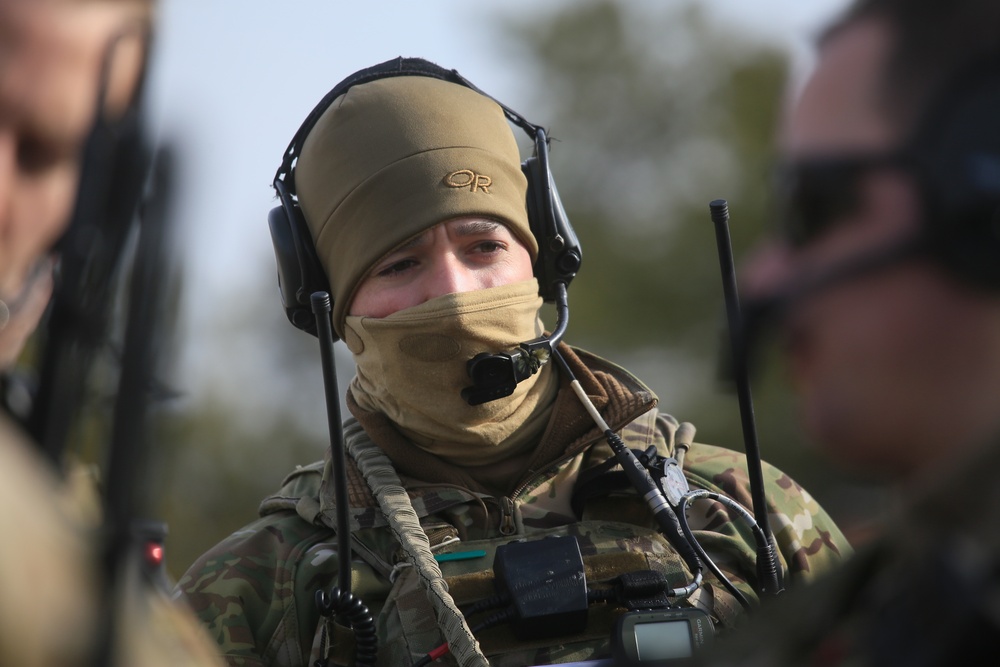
(436, 247)
(885, 282)
(61, 61)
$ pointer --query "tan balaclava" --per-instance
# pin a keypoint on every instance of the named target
(386, 161)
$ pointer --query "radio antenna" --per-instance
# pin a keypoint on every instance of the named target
(767, 566)
(339, 600)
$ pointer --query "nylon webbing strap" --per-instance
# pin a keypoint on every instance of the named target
(392, 498)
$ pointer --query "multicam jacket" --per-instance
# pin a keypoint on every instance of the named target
(925, 592)
(52, 607)
(256, 590)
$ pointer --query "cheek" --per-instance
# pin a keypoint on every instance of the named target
(374, 299)
(24, 321)
(38, 214)
(879, 327)
(871, 346)
(520, 265)
(368, 302)
(515, 267)
(46, 204)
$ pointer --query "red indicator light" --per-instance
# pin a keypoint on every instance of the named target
(154, 553)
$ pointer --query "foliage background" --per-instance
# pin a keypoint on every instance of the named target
(654, 110)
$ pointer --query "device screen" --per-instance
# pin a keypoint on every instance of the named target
(663, 640)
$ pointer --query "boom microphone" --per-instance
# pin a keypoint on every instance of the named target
(495, 375)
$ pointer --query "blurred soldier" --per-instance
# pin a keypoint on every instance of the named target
(886, 287)
(439, 248)
(63, 64)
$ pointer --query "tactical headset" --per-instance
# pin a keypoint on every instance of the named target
(953, 154)
(299, 270)
(115, 165)
(956, 152)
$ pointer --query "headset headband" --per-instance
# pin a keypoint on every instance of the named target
(396, 67)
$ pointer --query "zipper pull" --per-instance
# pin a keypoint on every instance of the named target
(507, 526)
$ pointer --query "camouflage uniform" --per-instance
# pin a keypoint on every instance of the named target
(49, 578)
(256, 589)
(926, 592)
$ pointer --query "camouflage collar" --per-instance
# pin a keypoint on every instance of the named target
(435, 485)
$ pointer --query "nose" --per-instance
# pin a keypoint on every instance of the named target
(450, 276)
(10, 264)
(8, 172)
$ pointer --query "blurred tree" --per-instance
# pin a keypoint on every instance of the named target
(216, 470)
(654, 111)
(653, 114)
(223, 448)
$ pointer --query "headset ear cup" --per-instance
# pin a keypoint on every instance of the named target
(536, 215)
(284, 254)
(959, 149)
(568, 261)
(969, 247)
(299, 272)
(559, 253)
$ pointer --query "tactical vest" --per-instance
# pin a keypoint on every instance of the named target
(256, 589)
(412, 604)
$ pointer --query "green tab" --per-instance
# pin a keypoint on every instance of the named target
(459, 555)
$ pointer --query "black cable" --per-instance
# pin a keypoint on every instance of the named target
(601, 594)
(665, 516)
(639, 477)
(764, 541)
(705, 558)
(338, 603)
(486, 604)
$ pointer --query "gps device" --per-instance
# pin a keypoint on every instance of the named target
(661, 636)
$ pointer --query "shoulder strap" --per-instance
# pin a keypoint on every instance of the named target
(377, 470)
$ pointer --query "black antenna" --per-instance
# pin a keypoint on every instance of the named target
(767, 566)
(321, 305)
(127, 532)
(340, 600)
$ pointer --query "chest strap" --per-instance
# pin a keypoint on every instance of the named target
(398, 510)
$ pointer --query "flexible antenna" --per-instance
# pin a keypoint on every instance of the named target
(767, 567)
(340, 600)
(321, 306)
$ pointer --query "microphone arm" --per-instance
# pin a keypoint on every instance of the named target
(495, 375)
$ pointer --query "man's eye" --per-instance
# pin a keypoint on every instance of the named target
(490, 246)
(396, 268)
(34, 155)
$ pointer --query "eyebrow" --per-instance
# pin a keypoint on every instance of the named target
(465, 228)
(474, 227)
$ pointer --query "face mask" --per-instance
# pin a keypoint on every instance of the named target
(411, 366)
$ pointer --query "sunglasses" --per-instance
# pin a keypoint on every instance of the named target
(817, 194)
